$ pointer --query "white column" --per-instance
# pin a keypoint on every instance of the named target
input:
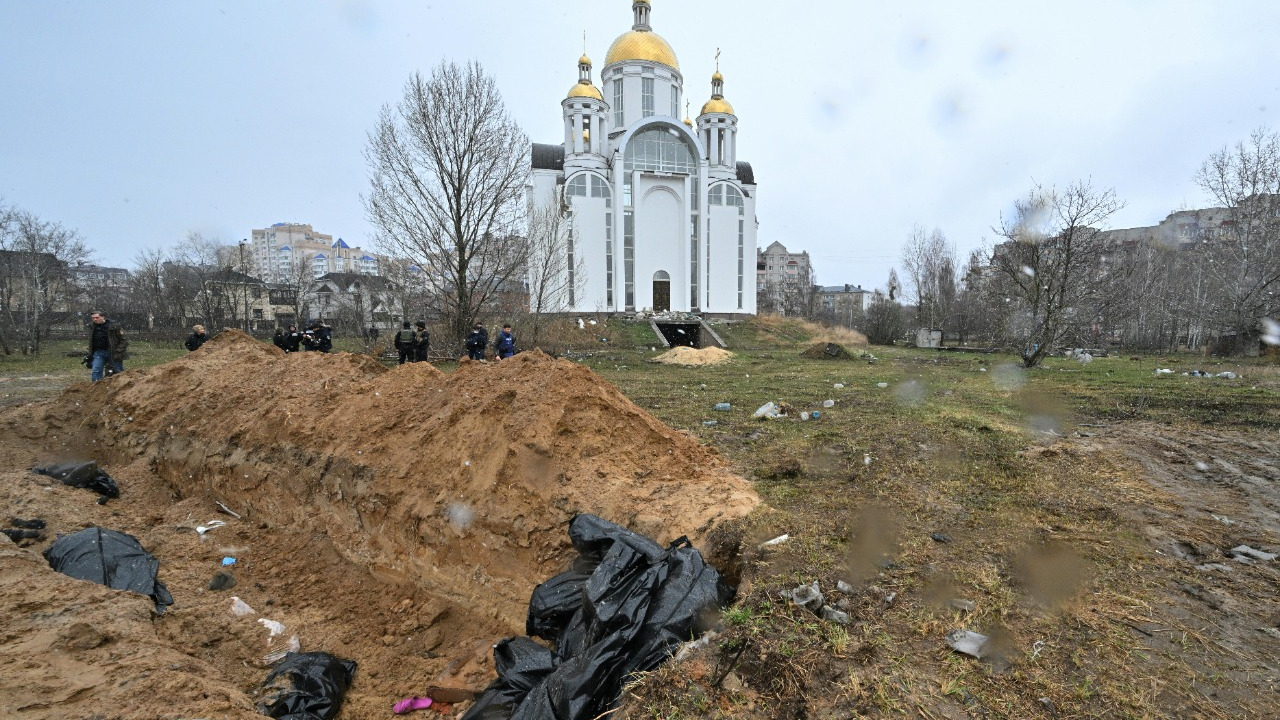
(577, 132)
(715, 146)
(568, 133)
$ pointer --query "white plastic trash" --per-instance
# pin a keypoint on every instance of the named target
(240, 608)
(276, 628)
(828, 403)
(766, 410)
(776, 541)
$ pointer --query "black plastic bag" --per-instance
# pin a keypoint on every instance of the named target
(109, 558)
(82, 475)
(307, 686)
(522, 665)
(624, 608)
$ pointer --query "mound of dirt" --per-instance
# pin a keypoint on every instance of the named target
(398, 517)
(826, 351)
(682, 355)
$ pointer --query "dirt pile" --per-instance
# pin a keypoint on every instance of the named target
(397, 517)
(683, 355)
(826, 351)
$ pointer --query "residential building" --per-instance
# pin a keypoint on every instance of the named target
(777, 266)
(662, 212)
(844, 302)
(292, 252)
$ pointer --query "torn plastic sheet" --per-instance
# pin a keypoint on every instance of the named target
(307, 686)
(82, 475)
(109, 558)
(626, 605)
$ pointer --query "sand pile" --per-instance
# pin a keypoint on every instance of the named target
(396, 517)
(682, 355)
(444, 477)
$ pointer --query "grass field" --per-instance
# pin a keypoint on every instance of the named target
(1061, 501)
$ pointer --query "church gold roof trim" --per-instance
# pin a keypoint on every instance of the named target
(642, 45)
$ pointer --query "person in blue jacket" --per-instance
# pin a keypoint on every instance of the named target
(505, 346)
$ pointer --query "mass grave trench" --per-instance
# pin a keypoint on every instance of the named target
(458, 483)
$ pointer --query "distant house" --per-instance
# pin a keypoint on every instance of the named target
(844, 302)
(354, 299)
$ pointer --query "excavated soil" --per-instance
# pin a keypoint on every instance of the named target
(399, 518)
(683, 355)
(826, 351)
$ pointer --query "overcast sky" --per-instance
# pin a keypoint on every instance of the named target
(135, 122)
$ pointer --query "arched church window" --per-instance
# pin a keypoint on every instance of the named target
(577, 187)
(656, 149)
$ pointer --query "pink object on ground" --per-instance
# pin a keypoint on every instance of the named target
(408, 705)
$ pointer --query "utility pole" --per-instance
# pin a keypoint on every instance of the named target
(244, 289)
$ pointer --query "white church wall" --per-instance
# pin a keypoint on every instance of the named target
(660, 228)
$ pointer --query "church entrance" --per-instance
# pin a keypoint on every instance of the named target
(661, 291)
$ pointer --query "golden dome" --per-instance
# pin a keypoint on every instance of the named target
(717, 105)
(585, 90)
(717, 77)
(642, 45)
(688, 122)
(584, 60)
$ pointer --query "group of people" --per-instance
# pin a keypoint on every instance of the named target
(317, 337)
(504, 347)
(413, 343)
(108, 347)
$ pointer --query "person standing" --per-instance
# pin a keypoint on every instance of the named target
(278, 338)
(406, 343)
(292, 340)
(108, 347)
(197, 338)
(476, 342)
(423, 348)
(505, 345)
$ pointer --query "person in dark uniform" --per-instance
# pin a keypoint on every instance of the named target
(292, 340)
(505, 346)
(476, 342)
(423, 348)
(406, 343)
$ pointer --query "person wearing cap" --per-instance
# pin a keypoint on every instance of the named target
(108, 347)
(197, 338)
(476, 342)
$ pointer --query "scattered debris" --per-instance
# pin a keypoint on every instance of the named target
(1207, 567)
(710, 423)
(968, 643)
(1246, 551)
(839, 617)
(227, 510)
(276, 628)
(844, 587)
(1223, 519)
(228, 561)
(882, 385)
(828, 403)
(212, 525)
(1164, 371)
(408, 705)
(767, 410)
(723, 407)
(240, 608)
(222, 581)
(776, 541)
(293, 646)
(808, 597)
(965, 606)
(839, 386)
(940, 537)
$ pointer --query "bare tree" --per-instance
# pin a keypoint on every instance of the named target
(196, 271)
(35, 282)
(1054, 266)
(884, 322)
(147, 291)
(1242, 253)
(447, 170)
(556, 272)
(930, 263)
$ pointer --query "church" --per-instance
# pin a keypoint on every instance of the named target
(660, 212)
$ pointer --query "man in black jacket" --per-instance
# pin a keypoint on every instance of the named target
(422, 350)
(197, 338)
(108, 347)
(407, 343)
(476, 342)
